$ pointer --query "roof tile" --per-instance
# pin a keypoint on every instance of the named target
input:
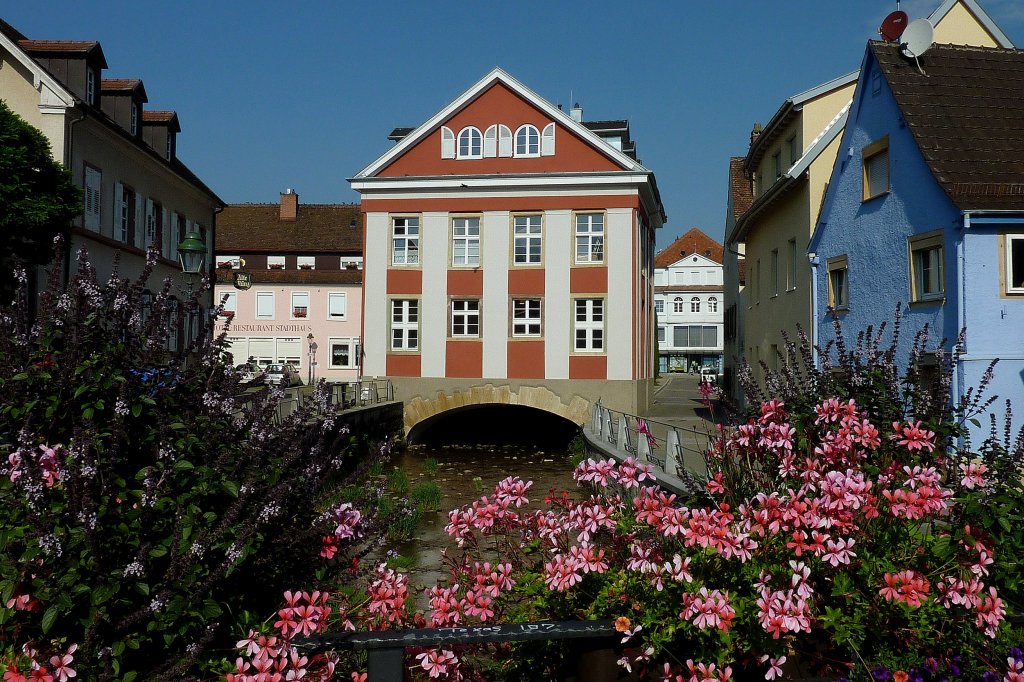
(694, 241)
(966, 113)
(318, 228)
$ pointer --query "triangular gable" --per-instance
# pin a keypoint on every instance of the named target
(688, 262)
(499, 98)
(982, 17)
(54, 94)
(695, 241)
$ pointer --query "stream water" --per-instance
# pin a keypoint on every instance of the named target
(464, 474)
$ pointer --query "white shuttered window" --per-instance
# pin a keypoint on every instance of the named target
(93, 185)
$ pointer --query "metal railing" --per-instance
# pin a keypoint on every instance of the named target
(386, 649)
(676, 451)
(343, 396)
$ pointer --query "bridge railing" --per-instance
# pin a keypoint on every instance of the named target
(386, 649)
(675, 451)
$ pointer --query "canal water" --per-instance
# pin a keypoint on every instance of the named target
(464, 473)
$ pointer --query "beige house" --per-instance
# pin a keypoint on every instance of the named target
(788, 165)
(136, 191)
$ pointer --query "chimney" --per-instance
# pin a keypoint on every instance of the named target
(289, 206)
(576, 112)
(755, 133)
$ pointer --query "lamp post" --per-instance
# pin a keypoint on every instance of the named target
(191, 254)
(312, 358)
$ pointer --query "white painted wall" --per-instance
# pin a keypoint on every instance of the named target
(434, 302)
(375, 312)
(620, 293)
(494, 258)
(557, 314)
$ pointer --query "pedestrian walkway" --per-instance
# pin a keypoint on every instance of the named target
(678, 404)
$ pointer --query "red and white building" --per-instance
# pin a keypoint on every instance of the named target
(509, 256)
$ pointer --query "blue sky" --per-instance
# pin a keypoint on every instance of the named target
(303, 94)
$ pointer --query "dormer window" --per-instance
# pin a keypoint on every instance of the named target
(471, 143)
(135, 119)
(170, 146)
(527, 141)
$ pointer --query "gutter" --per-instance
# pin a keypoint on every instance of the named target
(815, 262)
(66, 266)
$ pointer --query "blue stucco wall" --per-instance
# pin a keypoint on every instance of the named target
(873, 236)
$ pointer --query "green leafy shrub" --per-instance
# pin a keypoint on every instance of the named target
(145, 508)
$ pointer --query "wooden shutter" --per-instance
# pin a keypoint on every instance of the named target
(93, 185)
(547, 140)
(118, 207)
(447, 143)
(165, 233)
(150, 224)
(140, 230)
(491, 142)
(504, 141)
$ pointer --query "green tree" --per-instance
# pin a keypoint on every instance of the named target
(37, 197)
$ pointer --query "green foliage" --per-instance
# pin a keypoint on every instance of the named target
(37, 194)
(426, 496)
(145, 509)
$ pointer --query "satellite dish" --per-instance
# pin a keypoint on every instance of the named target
(894, 25)
(918, 37)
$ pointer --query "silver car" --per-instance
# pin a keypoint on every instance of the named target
(282, 374)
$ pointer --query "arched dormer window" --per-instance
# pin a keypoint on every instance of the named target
(471, 143)
(695, 304)
(527, 141)
(677, 305)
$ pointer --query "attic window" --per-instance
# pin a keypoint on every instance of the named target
(306, 262)
(470, 143)
(707, 253)
(90, 86)
(876, 168)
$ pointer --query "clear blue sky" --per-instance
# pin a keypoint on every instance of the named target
(303, 94)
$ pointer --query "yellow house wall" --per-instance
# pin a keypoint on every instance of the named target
(17, 92)
(767, 313)
(819, 112)
(961, 27)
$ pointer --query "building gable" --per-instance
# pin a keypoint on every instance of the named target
(496, 107)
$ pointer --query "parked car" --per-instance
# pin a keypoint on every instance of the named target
(282, 374)
(248, 372)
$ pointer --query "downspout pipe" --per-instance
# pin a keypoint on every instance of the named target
(961, 309)
(815, 261)
(68, 150)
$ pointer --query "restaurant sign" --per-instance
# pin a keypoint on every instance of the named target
(243, 280)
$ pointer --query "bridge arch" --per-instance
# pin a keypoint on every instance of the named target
(420, 409)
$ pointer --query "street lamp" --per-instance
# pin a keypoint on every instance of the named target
(191, 254)
(312, 358)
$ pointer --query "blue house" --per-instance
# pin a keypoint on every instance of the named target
(925, 208)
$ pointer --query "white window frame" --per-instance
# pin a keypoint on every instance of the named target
(470, 143)
(234, 261)
(661, 335)
(589, 231)
(333, 307)
(305, 262)
(230, 300)
(712, 304)
(659, 306)
(297, 310)
(274, 261)
(405, 240)
(351, 343)
(90, 86)
(353, 260)
(678, 305)
(588, 316)
(465, 241)
(527, 317)
(527, 142)
(792, 273)
(928, 246)
(465, 318)
(775, 272)
(527, 230)
(404, 319)
(1010, 274)
(695, 304)
(264, 296)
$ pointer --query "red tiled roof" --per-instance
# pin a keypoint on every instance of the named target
(740, 186)
(57, 45)
(694, 241)
(150, 116)
(318, 228)
(967, 117)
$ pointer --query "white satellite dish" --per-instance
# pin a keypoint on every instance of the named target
(918, 37)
